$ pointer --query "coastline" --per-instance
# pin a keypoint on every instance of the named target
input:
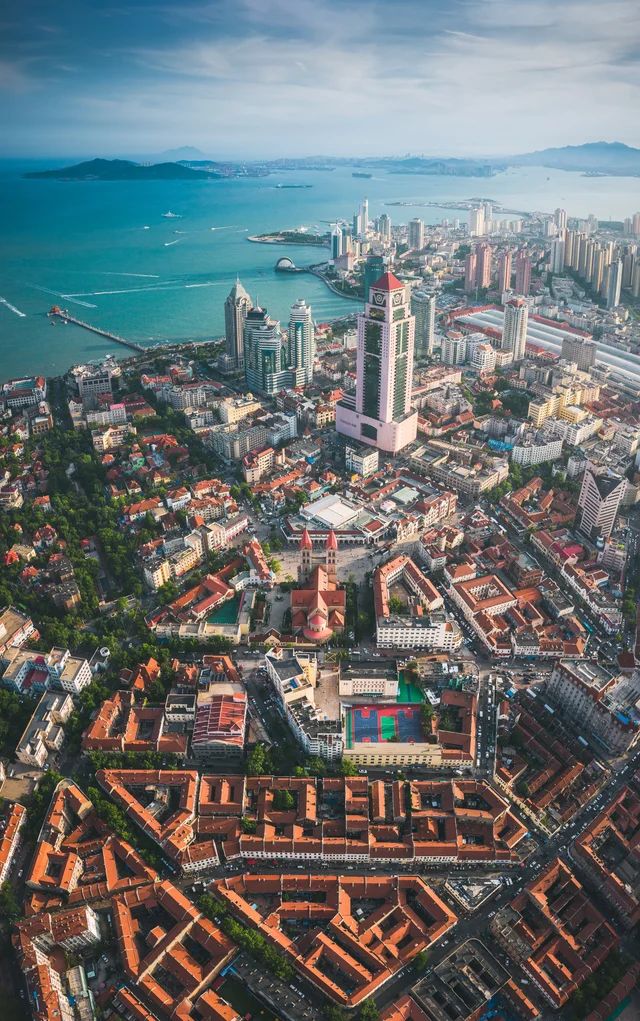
(348, 297)
(278, 239)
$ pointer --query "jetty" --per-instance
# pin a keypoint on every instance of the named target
(66, 317)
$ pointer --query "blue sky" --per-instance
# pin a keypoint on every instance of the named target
(260, 78)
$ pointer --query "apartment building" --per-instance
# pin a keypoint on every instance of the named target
(607, 850)
(172, 972)
(15, 629)
(109, 864)
(12, 820)
(335, 819)
(29, 672)
(234, 409)
(348, 955)
(536, 448)
(361, 460)
(112, 437)
(44, 733)
(555, 932)
(257, 463)
(468, 472)
(124, 726)
(423, 626)
(557, 403)
(605, 704)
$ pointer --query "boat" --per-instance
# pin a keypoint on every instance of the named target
(170, 216)
(294, 186)
(361, 173)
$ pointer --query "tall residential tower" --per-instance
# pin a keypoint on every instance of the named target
(380, 413)
(514, 332)
(236, 306)
(301, 341)
(423, 307)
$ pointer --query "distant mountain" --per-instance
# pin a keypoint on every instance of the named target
(611, 158)
(124, 170)
(442, 167)
(188, 153)
(393, 165)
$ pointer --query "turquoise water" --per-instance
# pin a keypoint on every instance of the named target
(87, 241)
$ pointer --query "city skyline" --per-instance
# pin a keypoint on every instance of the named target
(235, 80)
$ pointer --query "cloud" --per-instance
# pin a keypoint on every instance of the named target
(259, 77)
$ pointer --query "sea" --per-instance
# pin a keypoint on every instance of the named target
(105, 252)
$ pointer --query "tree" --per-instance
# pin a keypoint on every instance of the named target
(9, 906)
(396, 605)
(421, 961)
(335, 1014)
(426, 717)
(283, 801)
(258, 761)
(369, 1011)
(347, 768)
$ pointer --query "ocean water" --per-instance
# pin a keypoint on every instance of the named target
(84, 245)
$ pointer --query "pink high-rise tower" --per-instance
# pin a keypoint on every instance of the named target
(380, 414)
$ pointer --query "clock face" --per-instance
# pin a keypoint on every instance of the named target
(397, 298)
(378, 297)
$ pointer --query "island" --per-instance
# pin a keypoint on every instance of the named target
(127, 170)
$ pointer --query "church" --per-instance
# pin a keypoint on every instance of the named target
(318, 607)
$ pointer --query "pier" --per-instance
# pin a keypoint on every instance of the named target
(67, 318)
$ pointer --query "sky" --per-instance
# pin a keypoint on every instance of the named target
(257, 79)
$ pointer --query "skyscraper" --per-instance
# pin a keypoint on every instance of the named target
(380, 414)
(476, 222)
(364, 217)
(423, 307)
(384, 227)
(614, 283)
(504, 271)
(556, 260)
(301, 341)
(569, 243)
(266, 355)
(635, 224)
(597, 274)
(514, 332)
(470, 272)
(337, 246)
(416, 235)
(236, 306)
(560, 219)
(483, 274)
(523, 273)
(627, 265)
(373, 269)
(599, 501)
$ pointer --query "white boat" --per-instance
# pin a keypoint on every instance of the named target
(170, 216)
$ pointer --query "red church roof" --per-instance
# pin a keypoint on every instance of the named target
(332, 542)
(388, 282)
(305, 542)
